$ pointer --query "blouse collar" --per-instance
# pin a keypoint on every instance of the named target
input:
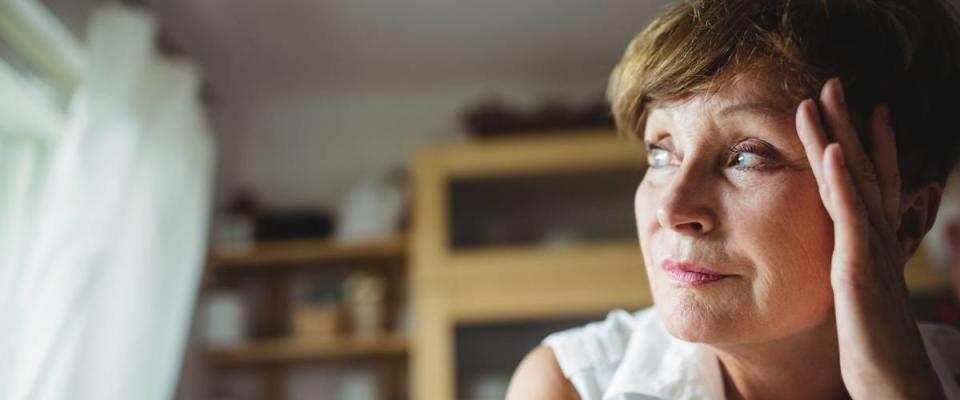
(658, 366)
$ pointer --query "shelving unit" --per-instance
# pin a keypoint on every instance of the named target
(272, 263)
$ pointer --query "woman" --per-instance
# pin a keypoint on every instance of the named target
(797, 154)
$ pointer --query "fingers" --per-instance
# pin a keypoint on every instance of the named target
(814, 139)
(875, 180)
(840, 125)
(884, 155)
(848, 212)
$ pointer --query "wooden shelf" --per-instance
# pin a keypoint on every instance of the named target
(310, 251)
(290, 350)
(512, 156)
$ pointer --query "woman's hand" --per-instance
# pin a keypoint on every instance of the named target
(881, 351)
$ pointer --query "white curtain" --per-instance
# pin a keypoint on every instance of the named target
(104, 211)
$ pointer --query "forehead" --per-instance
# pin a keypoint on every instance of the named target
(755, 94)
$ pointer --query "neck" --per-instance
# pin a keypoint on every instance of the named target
(802, 366)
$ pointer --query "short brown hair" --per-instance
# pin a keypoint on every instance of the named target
(905, 53)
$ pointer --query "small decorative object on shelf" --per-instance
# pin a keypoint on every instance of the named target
(235, 227)
(360, 385)
(373, 208)
(233, 233)
(365, 294)
(561, 237)
(494, 118)
(244, 222)
(317, 312)
(224, 318)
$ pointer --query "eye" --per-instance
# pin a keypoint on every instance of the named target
(748, 160)
(657, 156)
(753, 156)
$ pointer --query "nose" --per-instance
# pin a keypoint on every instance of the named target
(686, 206)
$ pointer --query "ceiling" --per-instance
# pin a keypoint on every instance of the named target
(255, 46)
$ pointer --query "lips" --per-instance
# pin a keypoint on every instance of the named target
(690, 274)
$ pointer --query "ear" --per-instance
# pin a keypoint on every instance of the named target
(918, 210)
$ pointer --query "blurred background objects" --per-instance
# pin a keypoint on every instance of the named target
(406, 196)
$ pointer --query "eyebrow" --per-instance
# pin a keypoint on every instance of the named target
(763, 109)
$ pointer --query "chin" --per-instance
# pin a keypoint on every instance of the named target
(693, 321)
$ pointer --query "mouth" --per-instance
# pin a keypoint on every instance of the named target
(689, 274)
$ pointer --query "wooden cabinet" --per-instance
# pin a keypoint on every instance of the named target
(504, 282)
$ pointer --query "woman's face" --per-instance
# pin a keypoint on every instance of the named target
(736, 241)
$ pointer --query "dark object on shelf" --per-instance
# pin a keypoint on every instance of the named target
(492, 118)
(280, 225)
(293, 225)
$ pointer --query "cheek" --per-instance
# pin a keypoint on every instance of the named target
(645, 204)
(645, 212)
(788, 220)
(788, 235)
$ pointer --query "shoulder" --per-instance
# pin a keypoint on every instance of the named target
(583, 359)
(598, 345)
(539, 377)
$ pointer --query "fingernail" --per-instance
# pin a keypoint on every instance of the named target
(839, 87)
(885, 115)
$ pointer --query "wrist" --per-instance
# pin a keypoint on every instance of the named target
(906, 378)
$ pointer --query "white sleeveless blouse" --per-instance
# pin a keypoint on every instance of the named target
(632, 357)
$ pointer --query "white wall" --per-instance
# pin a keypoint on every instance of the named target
(309, 148)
